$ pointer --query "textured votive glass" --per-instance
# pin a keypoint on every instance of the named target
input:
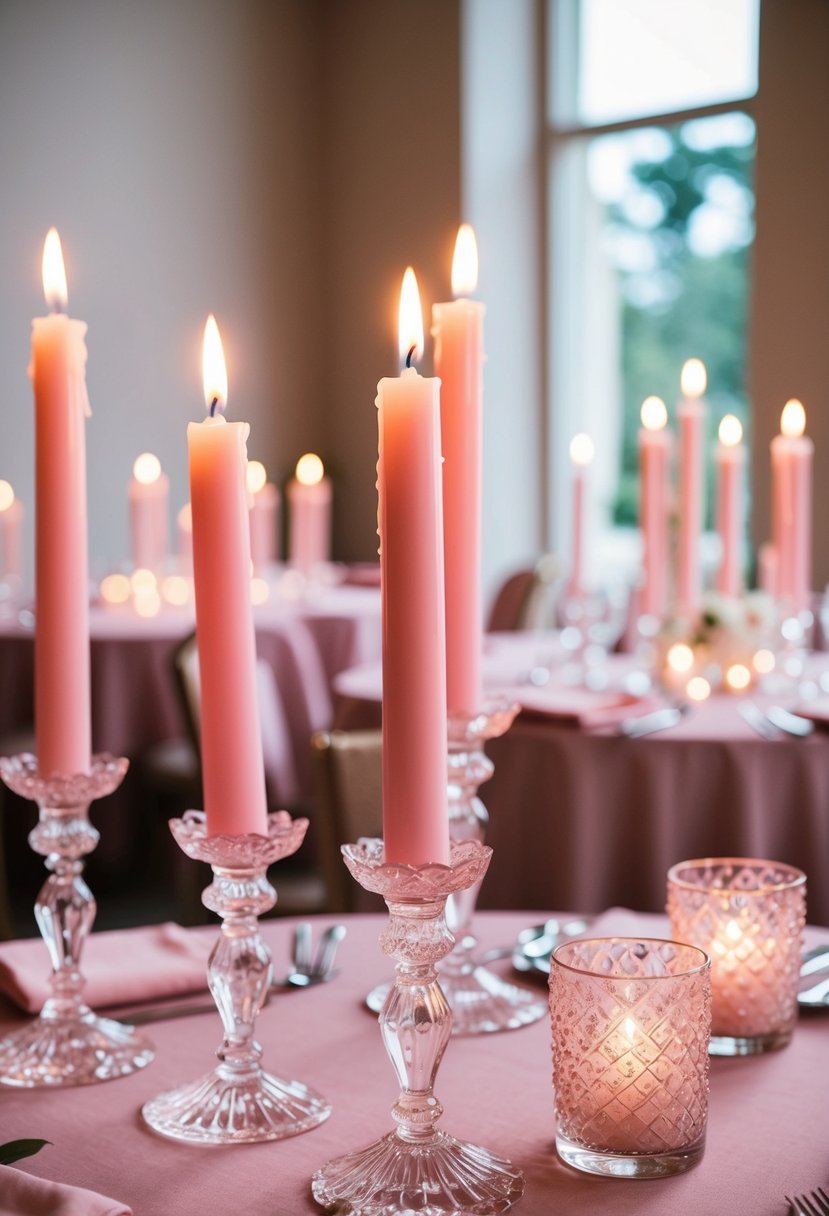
(630, 1020)
(748, 915)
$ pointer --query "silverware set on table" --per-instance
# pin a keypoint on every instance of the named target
(815, 1203)
(774, 721)
(308, 968)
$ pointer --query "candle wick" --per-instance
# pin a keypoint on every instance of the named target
(412, 350)
(213, 405)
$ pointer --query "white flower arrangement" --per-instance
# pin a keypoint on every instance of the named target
(727, 643)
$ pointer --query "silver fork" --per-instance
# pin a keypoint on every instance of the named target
(816, 1203)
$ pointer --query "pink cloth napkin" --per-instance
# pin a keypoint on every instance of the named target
(22, 1194)
(121, 966)
(583, 707)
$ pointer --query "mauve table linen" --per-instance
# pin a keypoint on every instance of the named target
(588, 819)
(766, 1134)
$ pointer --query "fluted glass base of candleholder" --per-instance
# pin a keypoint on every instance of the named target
(220, 1109)
(396, 1177)
(67, 1044)
(417, 1168)
(75, 1050)
(238, 1102)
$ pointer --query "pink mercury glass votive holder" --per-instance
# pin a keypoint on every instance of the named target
(630, 1020)
(748, 915)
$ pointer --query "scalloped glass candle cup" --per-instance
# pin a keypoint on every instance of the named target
(630, 1022)
(748, 915)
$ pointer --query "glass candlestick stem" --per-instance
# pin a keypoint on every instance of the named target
(67, 1044)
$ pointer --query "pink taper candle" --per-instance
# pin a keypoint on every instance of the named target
(263, 500)
(62, 697)
(792, 453)
(582, 452)
(11, 527)
(654, 450)
(233, 772)
(309, 510)
(730, 458)
(458, 329)
(148, 491)
(691, 414)
(410, 517)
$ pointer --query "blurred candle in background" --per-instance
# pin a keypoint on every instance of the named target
(309, 507)
(264, 516)
(233, 772)
(184, 527)
(654, 451)
(730, 458)
(582, 452)
(458, 329)
(62, 692)
(792, 454)
(148, 493)
(410, 519)
(11, 535)
(691, 414)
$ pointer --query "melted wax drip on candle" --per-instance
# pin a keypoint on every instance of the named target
(412, 350)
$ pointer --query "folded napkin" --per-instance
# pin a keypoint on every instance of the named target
(121, 966)
(23, 1195)
(582, 706)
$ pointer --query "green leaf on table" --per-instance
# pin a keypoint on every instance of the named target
(16, 1150)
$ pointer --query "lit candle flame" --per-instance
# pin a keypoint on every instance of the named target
(54, 273)
(698, 688)
(793, 419)
(256, 476)
(309, 470)
(582, 449)
(731, 431)
(6, 495)
(680, 657)
(694, 378)
(654, 415)
(465, 262)
(147, 468)
(738, 677)
(410, 319)
(214, 369)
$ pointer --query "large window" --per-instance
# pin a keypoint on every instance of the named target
(651, 155)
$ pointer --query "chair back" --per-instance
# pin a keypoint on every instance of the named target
(525, 599)
(348, 802)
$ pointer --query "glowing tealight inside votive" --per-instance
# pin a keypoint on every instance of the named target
(694, 378)
(309, 470)
(680, 657)
(6, 495)
(738, 677)
(259, 591)
(175, 590)
(698, 688)
(115, 589)
(763, 662)
(142, 581)
(256, 476)
(147, 468)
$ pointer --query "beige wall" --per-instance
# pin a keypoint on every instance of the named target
(278, 163)
(789, 355)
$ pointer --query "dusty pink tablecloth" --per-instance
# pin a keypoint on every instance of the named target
(767, 1130)
(587, 819)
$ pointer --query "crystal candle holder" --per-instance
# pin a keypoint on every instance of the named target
(748, 915)
(67, 1044)
(481, 1001)
(417, 1167)
(630, 1022)
(238, 1102)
